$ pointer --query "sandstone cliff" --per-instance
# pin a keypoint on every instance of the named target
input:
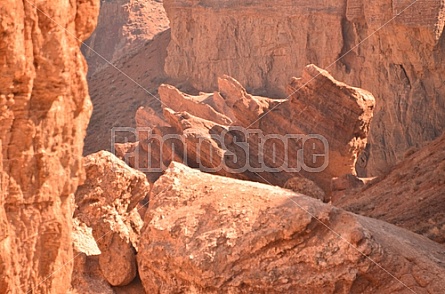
(122, 26)
(45, 109)
(394, 49)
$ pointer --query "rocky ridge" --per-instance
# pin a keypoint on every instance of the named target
(209, 131)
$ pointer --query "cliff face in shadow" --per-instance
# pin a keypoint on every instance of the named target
(122, 26)
(45, 108)
(394, 49)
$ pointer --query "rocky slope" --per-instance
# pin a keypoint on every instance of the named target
(123, 25)
(411, 196)
(212, 234)
(394, 49)
(118, 93)
(45, 108)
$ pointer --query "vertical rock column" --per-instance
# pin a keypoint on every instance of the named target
(44, 111)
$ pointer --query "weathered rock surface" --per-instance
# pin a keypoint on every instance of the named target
(411, 196)
(211, 234)
(235, 134)
(108, 202)
(394, 49)
(122, 26)
(305, 186)
(117, 95)
(87, 276)
(336, 117)
(44, 111)
(195, 105)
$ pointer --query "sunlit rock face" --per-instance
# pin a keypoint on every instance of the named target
(394, 49)
(45, 108)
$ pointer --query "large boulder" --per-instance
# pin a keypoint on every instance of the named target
(212, 234)
(108, 202)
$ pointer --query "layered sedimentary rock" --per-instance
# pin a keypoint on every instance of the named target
(195, 105)
(212, 234)
(44, 111)
(334, 117)
(411, 196)
(122, 26)
(317, 133)
(108, 202)
(394, 49)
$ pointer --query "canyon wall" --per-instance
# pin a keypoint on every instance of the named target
(45, 108)
(122, 26)
(392, 48)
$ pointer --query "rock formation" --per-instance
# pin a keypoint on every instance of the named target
(123, 25)
(211, 234)
(394, 49)
(210, 131)
(411, 196)
(328, 110)
(44, 111)
(108, 202)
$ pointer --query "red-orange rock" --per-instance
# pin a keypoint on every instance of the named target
(87, 276)
(122, 26)
(107, 202)
(334, 118)
(317, 132)
(411, 196)
(195, 105)
(394, 49)
(209, 234)
(305, 186)
(44, 111)
(117, 97)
